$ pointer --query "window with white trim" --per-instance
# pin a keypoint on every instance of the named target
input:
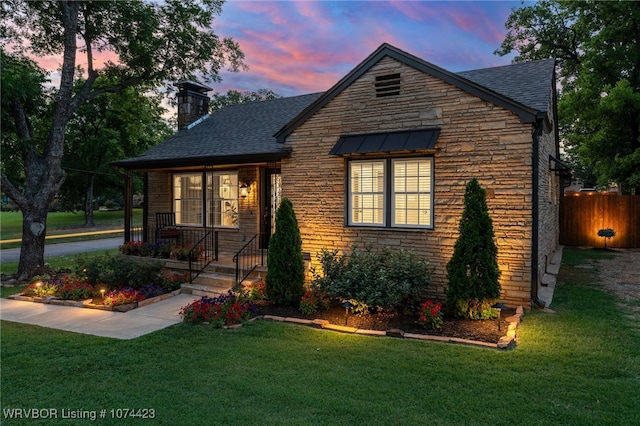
(187, 198)
(391, 192)
(222, 204)
(215, 204)
(366, 192)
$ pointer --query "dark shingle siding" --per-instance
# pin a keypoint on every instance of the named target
(233, 131)
(248, 129)
(528, 83)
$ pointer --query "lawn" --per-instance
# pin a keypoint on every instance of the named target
(580, 365)
(65, 222)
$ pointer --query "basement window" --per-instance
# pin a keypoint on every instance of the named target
(387, 85)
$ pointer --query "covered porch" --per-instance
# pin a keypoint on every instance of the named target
(206, 220)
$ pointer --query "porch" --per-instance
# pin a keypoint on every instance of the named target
(211, 269)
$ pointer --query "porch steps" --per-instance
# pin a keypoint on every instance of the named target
(215, 283)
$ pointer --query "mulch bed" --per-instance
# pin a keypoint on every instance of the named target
(481, 330)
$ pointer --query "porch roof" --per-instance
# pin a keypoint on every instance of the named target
(235, 134)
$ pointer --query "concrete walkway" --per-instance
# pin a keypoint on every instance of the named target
(117, 325)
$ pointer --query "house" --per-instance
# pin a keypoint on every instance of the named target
(381, 159)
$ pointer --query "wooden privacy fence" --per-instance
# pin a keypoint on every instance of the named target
(582, 215)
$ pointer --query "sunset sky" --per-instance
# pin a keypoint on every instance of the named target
(298, 46)
(295, 47)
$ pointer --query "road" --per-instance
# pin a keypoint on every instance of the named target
(65, 249)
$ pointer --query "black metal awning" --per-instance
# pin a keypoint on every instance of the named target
(410, 140)
(559, 167)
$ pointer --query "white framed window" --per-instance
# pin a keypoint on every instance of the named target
(213, 204)
(366, 193)
(222, 200)
(411, 202)
(391, 192)
(187, 199)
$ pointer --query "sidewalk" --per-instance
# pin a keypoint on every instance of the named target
(117, 325)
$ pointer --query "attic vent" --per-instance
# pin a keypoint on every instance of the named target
(387, 85)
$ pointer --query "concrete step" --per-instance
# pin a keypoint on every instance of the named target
(553, 267)
(548, 280)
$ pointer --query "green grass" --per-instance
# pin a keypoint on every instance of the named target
(578, 366)
(65, 222)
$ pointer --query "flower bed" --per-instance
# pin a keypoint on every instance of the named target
(109, 283)
(225, 310)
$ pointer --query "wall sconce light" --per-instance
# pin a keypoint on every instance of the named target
(244, 190)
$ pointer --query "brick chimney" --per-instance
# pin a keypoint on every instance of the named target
(193, 102)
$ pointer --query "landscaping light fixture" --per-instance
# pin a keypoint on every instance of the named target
(606, 234)
(499, 307)
(102, 293)
(346, 305)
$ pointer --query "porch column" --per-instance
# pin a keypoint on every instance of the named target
(128, 202)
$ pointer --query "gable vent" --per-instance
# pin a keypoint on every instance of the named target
(387, 85)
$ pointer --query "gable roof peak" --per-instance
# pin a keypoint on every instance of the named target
(523, 110)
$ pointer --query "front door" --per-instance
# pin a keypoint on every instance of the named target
(272, 191)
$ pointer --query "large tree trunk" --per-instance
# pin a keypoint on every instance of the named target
(33, 239)
(88, 207)
(43, 172)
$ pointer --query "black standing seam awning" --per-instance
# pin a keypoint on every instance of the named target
(409, 140)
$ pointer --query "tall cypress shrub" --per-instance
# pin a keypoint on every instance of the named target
(285, 265)
(473, 270)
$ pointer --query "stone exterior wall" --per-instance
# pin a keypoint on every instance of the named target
(548, 198)
(477, 139)
(159, 199)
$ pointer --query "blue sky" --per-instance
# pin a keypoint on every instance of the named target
(296, 47)
(300, 46)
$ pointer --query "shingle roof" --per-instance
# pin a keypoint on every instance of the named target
(236, 133)
(245, 132)
(528, 83)
(540, 79)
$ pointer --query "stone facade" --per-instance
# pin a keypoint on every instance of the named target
(478, 140)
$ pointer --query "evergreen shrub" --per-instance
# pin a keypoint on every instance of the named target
(285, 265)
(473, 272)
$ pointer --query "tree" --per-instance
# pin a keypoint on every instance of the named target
(233, 97)
(473, 270)
(285, 265)
(23, 92)
(597, 48)
(104, 129)
(153, 43)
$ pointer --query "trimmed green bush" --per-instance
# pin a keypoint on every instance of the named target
(120, 271)
(384, 280)
(285, 265)
(473, 270)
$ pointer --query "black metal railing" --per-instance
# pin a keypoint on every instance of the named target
(209, 246)
(202, 242)
(248, 258)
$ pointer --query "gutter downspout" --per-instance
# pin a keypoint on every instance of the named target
(535, 301)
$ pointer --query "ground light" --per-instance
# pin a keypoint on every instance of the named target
(499, 307)
(346, 305)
